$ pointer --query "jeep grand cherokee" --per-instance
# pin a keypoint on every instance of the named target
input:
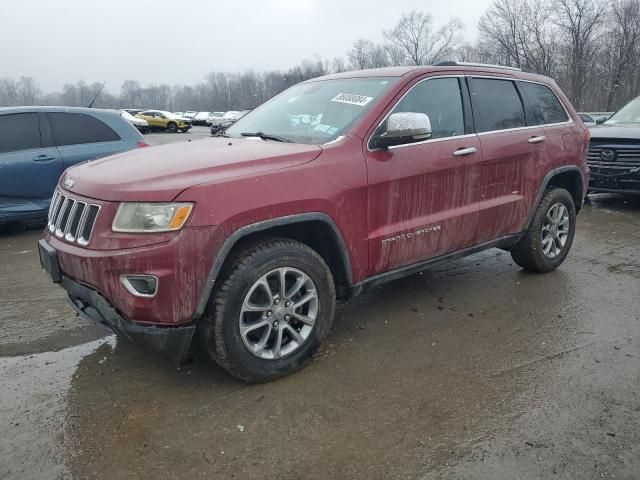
(245, 241)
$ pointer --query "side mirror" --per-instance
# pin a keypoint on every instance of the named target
(600, 120)
(404, 127)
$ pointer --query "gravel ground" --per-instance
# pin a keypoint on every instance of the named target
(472, 370)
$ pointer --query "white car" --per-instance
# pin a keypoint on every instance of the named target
(214, 117)
(190, 114)
(139, 123)
(201, 118)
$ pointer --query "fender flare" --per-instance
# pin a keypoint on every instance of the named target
(545, 183)
(242, 232)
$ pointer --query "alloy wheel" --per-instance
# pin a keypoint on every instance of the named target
(278, 313)
(555, 230)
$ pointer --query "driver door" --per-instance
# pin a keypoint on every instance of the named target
(421, 195)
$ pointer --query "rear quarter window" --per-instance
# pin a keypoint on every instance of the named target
(543, 106)
(79, 128)
(496, 105)
(19, 131)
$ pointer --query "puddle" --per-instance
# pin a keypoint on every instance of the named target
(33, 410)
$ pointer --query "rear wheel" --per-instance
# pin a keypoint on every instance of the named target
(549, 237)
(172, 127)
(271, 311)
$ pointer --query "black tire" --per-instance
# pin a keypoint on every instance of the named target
(220, 328)
(184, 130)
(172, 127)
(528, 252)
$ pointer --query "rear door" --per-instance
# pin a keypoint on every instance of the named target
(511, 153)
(29, 165)
(563, 143)
(81, 137)
(421, 195)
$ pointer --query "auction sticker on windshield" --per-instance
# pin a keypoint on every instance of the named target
(352, 99)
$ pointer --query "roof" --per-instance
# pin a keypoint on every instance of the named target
(420, 70)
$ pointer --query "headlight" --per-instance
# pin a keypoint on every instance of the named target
(151, 217)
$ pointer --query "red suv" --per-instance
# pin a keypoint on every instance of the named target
(340, 183)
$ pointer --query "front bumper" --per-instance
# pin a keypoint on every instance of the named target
(91, 304)
(629, 183)
(173, 341)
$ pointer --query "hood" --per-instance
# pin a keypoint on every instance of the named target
(161, 173)
(629, 131)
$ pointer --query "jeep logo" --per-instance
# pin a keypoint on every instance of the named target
(69, 183)
(608, 155)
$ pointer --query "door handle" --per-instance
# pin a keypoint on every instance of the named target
(461, 152)
(539, 139)
(43, 158)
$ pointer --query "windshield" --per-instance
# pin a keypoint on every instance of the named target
(314, 113)
(630, 113)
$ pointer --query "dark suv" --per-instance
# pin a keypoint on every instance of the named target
(246, 240)
(614, 153)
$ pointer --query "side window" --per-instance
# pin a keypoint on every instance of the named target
(543, 106)
(78, 128)
(19, 131)
(441, 100)
(496, 105)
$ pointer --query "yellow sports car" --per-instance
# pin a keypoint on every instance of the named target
(161, 120)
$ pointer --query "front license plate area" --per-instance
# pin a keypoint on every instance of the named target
(49, 261)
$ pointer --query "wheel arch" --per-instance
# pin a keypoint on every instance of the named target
(568, 177)
(317, 230)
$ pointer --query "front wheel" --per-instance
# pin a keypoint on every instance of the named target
(548, 239)
(270, 312)
(172, 127)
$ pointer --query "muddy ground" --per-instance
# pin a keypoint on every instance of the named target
(471, 370)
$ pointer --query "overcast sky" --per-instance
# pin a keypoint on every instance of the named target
(178, 42)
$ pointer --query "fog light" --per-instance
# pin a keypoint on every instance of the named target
(140, 285)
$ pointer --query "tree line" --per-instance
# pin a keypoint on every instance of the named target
(590, 47)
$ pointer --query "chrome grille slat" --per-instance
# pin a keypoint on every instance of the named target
(63, 205)
(56, 212)
(65, 214)
(77, 217)
(84, 235)
(72, 219)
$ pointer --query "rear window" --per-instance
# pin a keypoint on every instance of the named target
(78, 128)
(543, 106)
(496, 105)
(20, 131)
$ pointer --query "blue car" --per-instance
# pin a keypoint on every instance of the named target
(38, 143)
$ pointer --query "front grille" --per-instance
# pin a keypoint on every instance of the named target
(616, 160)
(72, 219)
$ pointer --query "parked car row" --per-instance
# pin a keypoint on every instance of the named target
(148, 120)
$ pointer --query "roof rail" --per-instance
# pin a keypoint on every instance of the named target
(470, 64)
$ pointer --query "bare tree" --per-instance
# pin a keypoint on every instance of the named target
(580, 22)
(414, 35)
(622, 46)
(522, 33)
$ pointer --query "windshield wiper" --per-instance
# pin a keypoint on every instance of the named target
(265, 136)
